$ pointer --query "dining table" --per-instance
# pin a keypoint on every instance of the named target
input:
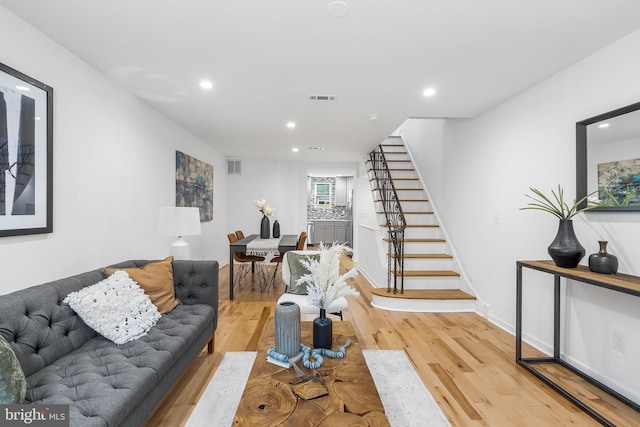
(287, 242)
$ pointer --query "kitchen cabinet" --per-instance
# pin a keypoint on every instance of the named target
(323, 231)
(341, 191)
(344, 190)
(331, 231)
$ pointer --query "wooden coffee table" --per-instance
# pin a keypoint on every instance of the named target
(350, 397)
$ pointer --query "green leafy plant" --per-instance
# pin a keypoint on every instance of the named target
(613, 200)
(556, 204)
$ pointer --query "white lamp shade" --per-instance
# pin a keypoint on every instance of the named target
(179, 221)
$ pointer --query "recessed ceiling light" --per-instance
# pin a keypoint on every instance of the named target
(373, 117)
(603, 125)
(206, 84)
(22, 88)
(291, 125)
(337, 9)
(429, 92)
(295, 149)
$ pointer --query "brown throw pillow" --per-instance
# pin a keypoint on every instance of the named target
(298, 270)
(156, 278)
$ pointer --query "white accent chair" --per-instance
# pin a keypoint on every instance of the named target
(336, 307)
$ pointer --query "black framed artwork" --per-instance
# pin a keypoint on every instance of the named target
(26, 154)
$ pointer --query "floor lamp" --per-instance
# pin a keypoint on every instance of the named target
(179, 221)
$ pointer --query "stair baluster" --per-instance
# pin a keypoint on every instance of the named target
(394, 217)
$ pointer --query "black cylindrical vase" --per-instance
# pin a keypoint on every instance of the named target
(322, 331)
(264, 227)
(566, 250)
(287, 328)
(603, 262)
(276, 229)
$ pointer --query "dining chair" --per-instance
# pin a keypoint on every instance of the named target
(302, 238)
(239, 234)
(245, 262)
(296, 295)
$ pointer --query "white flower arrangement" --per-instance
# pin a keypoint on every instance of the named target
(324, 282)
(263, 207)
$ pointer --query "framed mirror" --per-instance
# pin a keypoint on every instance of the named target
(608, 159)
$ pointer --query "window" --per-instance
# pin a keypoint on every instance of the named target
(323, 195)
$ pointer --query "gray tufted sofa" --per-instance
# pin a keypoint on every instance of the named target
(106, 384)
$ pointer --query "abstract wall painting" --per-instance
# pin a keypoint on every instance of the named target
(26, 154)
(194, 185)
(622, 179)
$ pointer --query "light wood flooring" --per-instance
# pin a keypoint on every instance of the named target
(466, 362)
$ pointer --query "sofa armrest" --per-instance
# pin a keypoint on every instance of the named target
(196, 282)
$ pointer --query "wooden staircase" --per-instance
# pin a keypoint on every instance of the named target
(430, 279)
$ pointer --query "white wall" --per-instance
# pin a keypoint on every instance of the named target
(114, 167)
(369, 249)
(424, 139)
(489, 163)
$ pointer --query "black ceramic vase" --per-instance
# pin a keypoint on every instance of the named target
(264, 227)
(565, 250)
(603, 262)
(322, 331)
(276, 229)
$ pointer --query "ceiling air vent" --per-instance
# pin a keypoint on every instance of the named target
(323, 98)
(233, 167)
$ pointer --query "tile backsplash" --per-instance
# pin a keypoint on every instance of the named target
(339, 212)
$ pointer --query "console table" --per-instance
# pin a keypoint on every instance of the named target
(620, 283)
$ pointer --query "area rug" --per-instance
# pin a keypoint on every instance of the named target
(219, 402)
(406, 400)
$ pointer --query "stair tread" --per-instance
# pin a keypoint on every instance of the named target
(426, 294)
(386, 239)
(429, 273)
(402, 189)
(417, 225)
(411, 213)
(394, 169)
(423, 256)
(394, 160)
(408, 200)
(399, 179)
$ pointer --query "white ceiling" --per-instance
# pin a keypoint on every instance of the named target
(265, 57)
